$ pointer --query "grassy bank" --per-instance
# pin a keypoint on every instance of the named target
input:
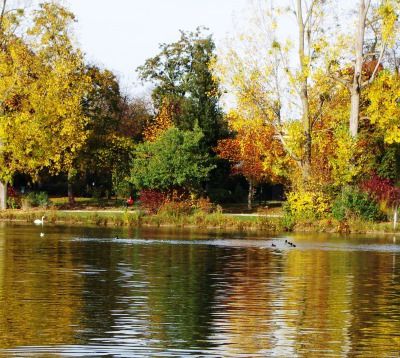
(201, 220)
(137, 218)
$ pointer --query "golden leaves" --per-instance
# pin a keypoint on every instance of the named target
(384, 108)
(41, 93)
(254, 151)
(161, 123)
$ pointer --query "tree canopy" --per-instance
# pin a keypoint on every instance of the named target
(174, 160)
(42, 124)
(182, 77)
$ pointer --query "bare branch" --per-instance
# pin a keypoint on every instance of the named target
(3, 9)
(367, 5)
(309, 13)
(281, 138)
(340, 80)
(318, 114)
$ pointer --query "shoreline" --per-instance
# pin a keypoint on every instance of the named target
(235, 222)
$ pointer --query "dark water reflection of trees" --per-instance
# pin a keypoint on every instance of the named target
(77, 286)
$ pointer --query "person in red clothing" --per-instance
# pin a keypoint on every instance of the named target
(129, 202)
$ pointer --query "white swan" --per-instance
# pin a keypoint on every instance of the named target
(38, 221)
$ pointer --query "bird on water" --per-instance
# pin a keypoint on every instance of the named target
(39, 221)
(290, 243)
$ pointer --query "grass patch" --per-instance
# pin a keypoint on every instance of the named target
(199, 219)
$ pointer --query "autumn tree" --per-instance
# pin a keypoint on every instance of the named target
(376, 29)
(384, 108)
(257, 68)
(253, 151)
(42, 125)
(9, 19)
(162, 121)
(182, 77)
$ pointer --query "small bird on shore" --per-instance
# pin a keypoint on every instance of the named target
(273, 245)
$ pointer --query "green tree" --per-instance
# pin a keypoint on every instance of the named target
(107, 150)
(174, 160)
(181, 75)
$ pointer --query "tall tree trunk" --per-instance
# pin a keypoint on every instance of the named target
(250, 195)
(3, 196)
(306, 163)
(355, 89)
(354, 111)
(3, 186)
(70, 181)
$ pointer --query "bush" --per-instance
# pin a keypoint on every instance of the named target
(175, 209)
(352, 203)
(13, 203)
(203, 205)
(151, 200)
(306, 205)
(13, 198)
(42, 199)
(33, 199)
(288, 220)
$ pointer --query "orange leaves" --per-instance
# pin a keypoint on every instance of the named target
(161, 123)
(254, 152)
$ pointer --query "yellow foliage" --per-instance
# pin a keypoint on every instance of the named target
(295, 138)
(387, 12)
(162, 122)
(384, 109)
(255, 151)
(308, 204)
(342, 161)
(42, 124)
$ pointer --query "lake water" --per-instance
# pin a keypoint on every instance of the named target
(157, 293)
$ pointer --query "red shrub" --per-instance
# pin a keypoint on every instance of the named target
(11, 193)
(381, 189)
(151, 200)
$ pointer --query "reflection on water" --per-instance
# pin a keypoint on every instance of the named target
(80, 292)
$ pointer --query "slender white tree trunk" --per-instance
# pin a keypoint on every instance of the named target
(354, 111)
(3, 196)
(3, 186)
(304, 93)
(395, 216)
(355, 90)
